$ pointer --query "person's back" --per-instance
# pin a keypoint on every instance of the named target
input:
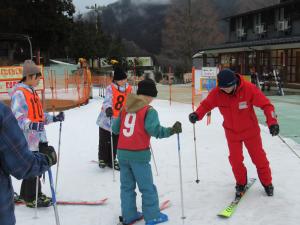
(16, 160)
(137, 122)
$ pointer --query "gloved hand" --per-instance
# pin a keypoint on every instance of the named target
(49, 152)
(274, 129)
(59, 117)
(176, 128)
(37, 126)
(109, 112)
(193, 117)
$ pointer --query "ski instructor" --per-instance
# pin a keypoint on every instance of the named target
(235, 99)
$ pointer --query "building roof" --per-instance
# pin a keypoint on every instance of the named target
(289, 2)
(275, 43)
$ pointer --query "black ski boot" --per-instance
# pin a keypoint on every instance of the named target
(240, 190)
(269, 189)
(116, 165)
(18, 199)
(41, 202)
(102, 164)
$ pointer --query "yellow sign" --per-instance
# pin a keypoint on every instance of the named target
(11, 72)
(11, 75)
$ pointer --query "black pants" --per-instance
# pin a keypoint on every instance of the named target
(28, 186)
(104, 152)
(28, 189)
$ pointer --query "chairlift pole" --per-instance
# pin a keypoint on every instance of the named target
(30, 46)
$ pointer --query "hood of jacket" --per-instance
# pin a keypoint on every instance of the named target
(135, 102)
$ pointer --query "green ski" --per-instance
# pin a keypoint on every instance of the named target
(230, 209)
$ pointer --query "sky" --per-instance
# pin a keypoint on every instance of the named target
(81, 4)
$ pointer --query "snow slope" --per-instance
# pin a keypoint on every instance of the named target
(79, 179)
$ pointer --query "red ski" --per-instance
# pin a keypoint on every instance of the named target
(87, 203)
(163, 205)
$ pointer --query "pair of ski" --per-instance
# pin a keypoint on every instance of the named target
(164, 205)
(230, 209)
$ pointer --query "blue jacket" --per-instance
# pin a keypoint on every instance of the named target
(16, 160)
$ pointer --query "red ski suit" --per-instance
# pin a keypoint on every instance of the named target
(241, 126)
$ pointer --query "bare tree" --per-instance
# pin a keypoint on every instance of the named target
(189, 25)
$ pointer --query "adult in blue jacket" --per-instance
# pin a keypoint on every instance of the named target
(17, 160)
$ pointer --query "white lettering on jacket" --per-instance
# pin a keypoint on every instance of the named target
(243, 105)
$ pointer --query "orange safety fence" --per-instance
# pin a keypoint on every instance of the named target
(67, 90)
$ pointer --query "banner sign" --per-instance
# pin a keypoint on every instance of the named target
(205, 79)
(11, 75)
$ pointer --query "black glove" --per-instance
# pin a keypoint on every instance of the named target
(176, 128)
(60, 117)
(193, 117)
(49, 151)
(274, 129)
(109, 112)
(38, 126)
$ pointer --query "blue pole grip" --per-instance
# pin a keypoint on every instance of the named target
(52, 186)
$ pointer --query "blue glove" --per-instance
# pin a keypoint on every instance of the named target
(38, 126)
(60, 117)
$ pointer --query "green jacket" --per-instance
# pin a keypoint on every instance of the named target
(152, 126)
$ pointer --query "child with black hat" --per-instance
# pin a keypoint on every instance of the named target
(235, 98)
(137, 122)
(115, 98)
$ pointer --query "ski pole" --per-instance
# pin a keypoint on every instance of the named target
(196, 157)
(58, 156)
(36, 196)
(295, 153)
(180, 177)
(53, 197)
(154, 159)
(112, 150)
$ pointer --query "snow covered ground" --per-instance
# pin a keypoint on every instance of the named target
(79, 179)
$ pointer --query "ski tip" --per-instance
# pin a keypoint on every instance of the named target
(223, 216)
(165, 204)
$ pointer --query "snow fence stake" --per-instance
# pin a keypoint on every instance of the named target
(58, 156)
(196, 157)
(180, 177)
(296, 154)
(112, 150)
(53, 197)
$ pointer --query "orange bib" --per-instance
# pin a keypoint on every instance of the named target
(119, 99)
(35, 109)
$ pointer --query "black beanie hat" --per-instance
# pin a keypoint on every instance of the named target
(226, 78)
(147, 87)
(119, 74)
